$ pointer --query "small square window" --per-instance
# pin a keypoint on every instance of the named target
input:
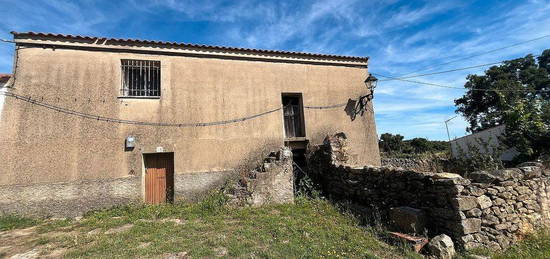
(140, 78)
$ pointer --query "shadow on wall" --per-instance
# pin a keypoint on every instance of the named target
(355, 107)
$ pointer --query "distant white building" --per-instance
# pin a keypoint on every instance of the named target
(4, 78)
(485, 141)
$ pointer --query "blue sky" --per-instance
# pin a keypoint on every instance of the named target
(399, 36)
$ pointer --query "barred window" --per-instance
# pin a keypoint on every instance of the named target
(140, 78)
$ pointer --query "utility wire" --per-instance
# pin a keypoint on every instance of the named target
(7, 41)
(115, 120)
(429, 67)
(461, 88)
(448, 71)
(440, 72)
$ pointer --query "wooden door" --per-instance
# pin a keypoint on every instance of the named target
(159, 178)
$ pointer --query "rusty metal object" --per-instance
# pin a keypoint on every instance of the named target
(416, 242)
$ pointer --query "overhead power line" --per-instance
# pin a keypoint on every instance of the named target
(447, 71)
(443, 72)
(161, 124)
(7, 41)
(476, 55)
(461, 88)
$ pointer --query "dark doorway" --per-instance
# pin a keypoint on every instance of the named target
(293, 115)
(159, 178)
(300, 168)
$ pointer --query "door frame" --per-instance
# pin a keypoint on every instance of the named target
(302, 118)
(144, 170)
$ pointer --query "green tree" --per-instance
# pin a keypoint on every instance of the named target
(420, 145)
(517, 94)
(391, 143)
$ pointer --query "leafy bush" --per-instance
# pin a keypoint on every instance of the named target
(483, 156)
(394, 144)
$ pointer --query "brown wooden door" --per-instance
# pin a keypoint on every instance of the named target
(159, 178)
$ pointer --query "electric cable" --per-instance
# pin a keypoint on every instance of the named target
(429, 67)
(160, 124)
(461, 88)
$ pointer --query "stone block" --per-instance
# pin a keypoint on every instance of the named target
(444, 213)
(476, 191)
(475, 212)
(530, 172)
(523, 190)
(441, 246)
(484, 202)
(508, 183)
(464, 203)
(496, 176)
(492, 191)
(482, 238)
(503, 226)
(536, 164)
(481, 177)
(467, 238)
(493, 246)
(506, 174)
(408, 220)
(503, 241)
(471, 225)
(490, 220)
(499, 201)
(450, 179)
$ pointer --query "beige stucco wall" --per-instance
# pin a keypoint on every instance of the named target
(38, 145)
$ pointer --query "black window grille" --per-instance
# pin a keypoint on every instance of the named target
(140, 78)
(293, 116)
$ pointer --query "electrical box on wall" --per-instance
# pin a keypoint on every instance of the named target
(130, 143)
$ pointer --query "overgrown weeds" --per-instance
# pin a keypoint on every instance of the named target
(11, 221)
(483, 155)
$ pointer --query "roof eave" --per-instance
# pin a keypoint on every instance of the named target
(132, 44)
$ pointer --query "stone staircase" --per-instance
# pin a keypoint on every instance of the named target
(271, 182)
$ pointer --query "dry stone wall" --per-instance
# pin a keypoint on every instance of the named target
(490, 209)
(416, 164)
(508, 203)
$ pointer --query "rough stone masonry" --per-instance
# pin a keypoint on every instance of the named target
(270, 182)
(487, 209)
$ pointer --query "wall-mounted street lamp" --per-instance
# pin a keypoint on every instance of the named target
(370, 83)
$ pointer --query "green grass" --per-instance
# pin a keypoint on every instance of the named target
(10, 221)
(308, 228)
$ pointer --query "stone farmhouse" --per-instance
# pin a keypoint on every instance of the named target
(89, 122)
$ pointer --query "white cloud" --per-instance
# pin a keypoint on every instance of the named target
(407, 15)
(398, 36)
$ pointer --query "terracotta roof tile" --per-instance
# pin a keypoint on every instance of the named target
(191, 45)
(4, 78)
